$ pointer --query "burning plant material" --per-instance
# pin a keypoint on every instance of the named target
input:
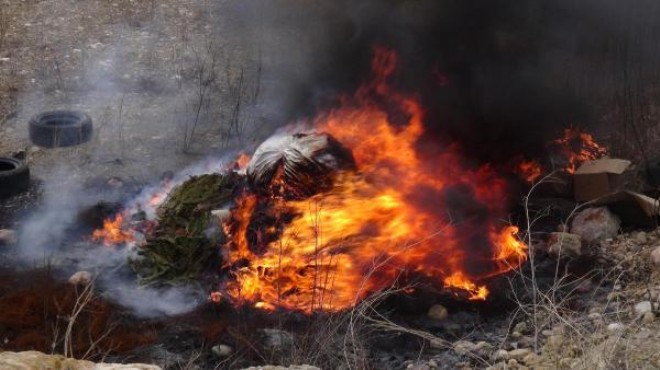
(181, 246)
(574, 148)
(577, 147)
(399, 217)
(347, 209)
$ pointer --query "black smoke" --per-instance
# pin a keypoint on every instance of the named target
(501, 77)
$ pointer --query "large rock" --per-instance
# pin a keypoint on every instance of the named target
(565, 244)
(30, 360)
(437, 312)
(595, 225)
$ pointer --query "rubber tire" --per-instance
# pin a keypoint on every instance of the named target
(62, 128)
(13, 181)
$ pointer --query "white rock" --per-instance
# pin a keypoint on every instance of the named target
(463, 347)
(222, 350)
(519, 354)
(615, 327)
(437, 312)
(565, 244)
(595, 316)
(655, 256)
(8, 237)
(643, 307)
(595, 225)
(500, 354)
(521, 327)
(80, 278)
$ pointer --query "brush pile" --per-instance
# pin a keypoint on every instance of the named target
(186, 240)
(183, 244)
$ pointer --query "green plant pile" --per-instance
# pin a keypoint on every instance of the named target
(182, 247)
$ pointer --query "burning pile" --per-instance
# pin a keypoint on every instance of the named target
(572, 149)
(351, 207)
(398, 217)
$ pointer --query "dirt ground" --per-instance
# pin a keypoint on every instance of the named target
(133, 67)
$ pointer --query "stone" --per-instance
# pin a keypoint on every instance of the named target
(615, 327)
(38, 360)
(500, 354)
(438, 312)
(482, 348)
(530, 359)
(519, 354)
(115, 182)
(8, 237)
(595, 316)
(526, 341)
(648, 317)
(521, 327)
(463, 347)
(277, 339)
(565, 244)
(643, 307)
(81, 278)
(512, 363)
(596, 224)
(222, 350)
(655, 256)
(641, 238)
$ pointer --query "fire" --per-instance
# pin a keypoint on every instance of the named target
(403, 216)
(112, 232)
(242, 161)
(529, 170)
(578, 146)
(574, 148)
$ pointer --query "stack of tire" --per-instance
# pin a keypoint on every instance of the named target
(62, 128)
(53, 129)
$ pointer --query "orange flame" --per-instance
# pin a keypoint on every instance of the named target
(242, 161)
(393, 219)
(112, 233)
(578, 146)
(529, 170)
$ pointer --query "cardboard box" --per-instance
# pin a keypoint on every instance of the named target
(595, 179)
(634, 209)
